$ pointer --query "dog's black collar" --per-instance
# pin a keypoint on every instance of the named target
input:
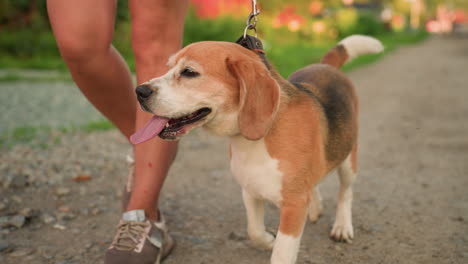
(253, 43)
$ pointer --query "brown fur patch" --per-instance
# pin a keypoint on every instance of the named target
(336, 57)
(338, 101)
(259, 97)
(315, 130)
(298, 145)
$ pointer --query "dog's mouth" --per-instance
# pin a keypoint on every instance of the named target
(169, 128)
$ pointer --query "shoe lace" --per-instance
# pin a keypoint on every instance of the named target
(129, 235)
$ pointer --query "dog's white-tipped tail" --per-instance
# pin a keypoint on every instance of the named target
(350, 48)
(357, 45)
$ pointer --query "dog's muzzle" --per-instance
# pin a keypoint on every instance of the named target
(143, 92)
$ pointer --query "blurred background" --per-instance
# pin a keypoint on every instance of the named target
(62, 164)
(296, 32)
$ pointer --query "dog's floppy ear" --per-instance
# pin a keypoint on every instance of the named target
(258, 97)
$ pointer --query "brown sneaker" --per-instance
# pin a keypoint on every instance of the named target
(139, 240)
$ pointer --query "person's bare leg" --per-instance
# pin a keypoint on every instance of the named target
(83, 31)
(157, 29)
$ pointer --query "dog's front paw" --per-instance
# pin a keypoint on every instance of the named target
(342, 231)
(266, 240)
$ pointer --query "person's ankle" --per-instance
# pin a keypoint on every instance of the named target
(152, 214)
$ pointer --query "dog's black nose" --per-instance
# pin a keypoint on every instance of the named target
(143, 91)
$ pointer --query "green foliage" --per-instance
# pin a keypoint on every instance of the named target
(26, 40)
(34, 46)
(346, 20)
(401, 6)
(221, 29)
(30, 43)
(349, 21)
(369, 24)
(287, 58)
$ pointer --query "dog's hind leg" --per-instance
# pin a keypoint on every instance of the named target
(256, 223)
(343, 227)
(315, 206)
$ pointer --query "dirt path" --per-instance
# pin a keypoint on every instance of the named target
(411, 198)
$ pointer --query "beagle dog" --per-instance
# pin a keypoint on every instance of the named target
(285, 135)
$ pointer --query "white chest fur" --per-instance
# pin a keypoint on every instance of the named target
(255, 170)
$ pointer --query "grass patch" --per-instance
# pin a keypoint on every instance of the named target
(13, 77)
(37, 135)
(34, 61)
(26, 133)
(97, 126)
(289, 58)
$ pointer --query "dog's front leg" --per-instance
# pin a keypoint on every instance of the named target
(256, 223)
(289, 235)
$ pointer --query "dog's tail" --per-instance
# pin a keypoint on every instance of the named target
(350, 48)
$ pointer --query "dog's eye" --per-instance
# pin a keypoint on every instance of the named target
(188, 72)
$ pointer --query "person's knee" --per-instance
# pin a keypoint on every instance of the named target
(146, 41)
(79, 50)
(156, 41)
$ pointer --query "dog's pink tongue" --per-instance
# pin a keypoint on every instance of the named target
(150, 130)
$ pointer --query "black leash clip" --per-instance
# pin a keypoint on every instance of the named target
(254, 44)
(251, 43)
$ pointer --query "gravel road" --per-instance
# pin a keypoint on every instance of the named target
(411, 198)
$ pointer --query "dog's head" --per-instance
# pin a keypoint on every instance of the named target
(218, 85)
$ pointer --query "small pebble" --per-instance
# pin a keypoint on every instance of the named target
(65, 216)
(3, 206)
(64, 209)
(15, 181)
(47, 218)
(14, 220)
(82, 178)
(236, 237)
(62, 191)
(59, 227)
(88, 245)
(22, 252)
(96, 211)
(16, 199)
(28, 212)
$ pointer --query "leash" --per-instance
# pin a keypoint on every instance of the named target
(252, 42)
(252, 19)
